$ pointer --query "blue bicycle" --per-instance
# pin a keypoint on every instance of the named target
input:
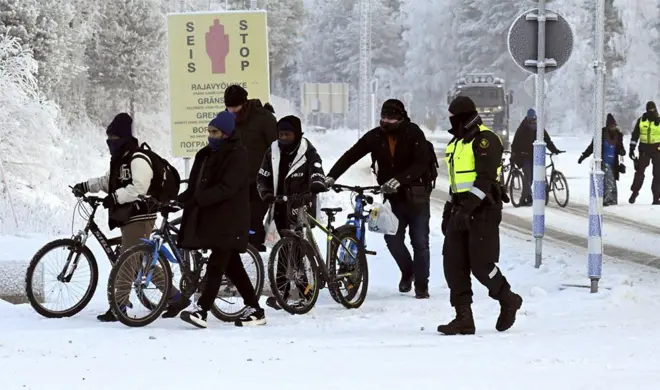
(144, 267)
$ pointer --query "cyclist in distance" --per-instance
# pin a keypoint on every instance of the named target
(128, 178)
(291, 166)
(216, 216)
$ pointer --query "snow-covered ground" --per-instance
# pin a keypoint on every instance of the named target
(564, 338)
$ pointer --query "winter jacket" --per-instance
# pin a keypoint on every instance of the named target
(407, 164)
(522, 147)
(620, 150)
(257, 129)
(216, 211)
(634, 137)
(129, 178)
(305, 170)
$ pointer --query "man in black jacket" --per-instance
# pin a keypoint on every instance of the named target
(400, 151)
(471, 219)
(215, 217)
(522, 150)
(128, 178)
(256, 127)
(291, 166)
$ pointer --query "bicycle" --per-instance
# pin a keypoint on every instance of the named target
(557, 183)
(153, 255)
(353, 275)
(514, 179)
(77, 248)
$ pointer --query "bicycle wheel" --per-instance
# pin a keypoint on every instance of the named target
(559, 187)
(349, 276)
(516, 187)
(228, 306)
(86, 269)
(293, 273)
(129, 274)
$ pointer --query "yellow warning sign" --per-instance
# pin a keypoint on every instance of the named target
(208, 52)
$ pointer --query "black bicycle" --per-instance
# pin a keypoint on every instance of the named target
(80, 264)
(144, 269)
(345, 270)
(557, 183)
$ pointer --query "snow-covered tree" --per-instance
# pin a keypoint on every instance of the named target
(285, 19)
(126, 58)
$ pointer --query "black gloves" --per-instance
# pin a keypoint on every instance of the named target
(559, 151)
(391, 187)
(109, 201)
(632, 152)
(580, 159)
(460, 221)
(268, 198)
(317, 187)
(80, 189)
(446, 216)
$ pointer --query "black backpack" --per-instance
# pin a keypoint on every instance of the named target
(165, 184)
(431, 174)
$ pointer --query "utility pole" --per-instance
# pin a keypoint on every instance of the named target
(364, 88)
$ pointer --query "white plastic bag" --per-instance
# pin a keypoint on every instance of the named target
(272, 235)
(382, 220)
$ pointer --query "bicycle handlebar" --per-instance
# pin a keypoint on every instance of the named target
(92, 200)
(292, 198)
(357, 189)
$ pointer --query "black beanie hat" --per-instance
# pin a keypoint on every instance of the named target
(650, 106)
(610, 120)
(121, 126)
(235, 96)
(393, 109)
(462, 105)
(290, 123)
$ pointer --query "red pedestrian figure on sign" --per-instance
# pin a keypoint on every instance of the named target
(217, 47)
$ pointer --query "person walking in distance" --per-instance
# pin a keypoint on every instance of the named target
(216, 217)
(471, 219)
(612, 149)
(400, 153)
(647, 133)
(256, 127)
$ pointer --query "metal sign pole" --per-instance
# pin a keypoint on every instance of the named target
(595, 240)
(538, 222)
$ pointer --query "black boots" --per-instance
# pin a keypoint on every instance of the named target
(510, 303)
(463, 323)
(405, 285)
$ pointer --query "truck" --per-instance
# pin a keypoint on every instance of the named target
(492, 99)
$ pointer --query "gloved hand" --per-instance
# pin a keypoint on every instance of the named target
(632, 153)
(317, 187)
(446, 216)
(80, 189)
(329, 181)
(391, 186)
(460, 221)
(268, 198)
(109, 201)
(580, 159)
(560, 151)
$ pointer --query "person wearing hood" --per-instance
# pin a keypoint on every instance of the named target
(291, 166)
(401, 158)
(216, 216)
(522, 151)
(612, 149)
(471, 219)
(256, 127)
(128, 179)
(647, 133)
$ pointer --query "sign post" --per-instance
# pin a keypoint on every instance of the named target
(540, 48)
(208, 52)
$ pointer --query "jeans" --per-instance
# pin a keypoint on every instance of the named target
(416, 218)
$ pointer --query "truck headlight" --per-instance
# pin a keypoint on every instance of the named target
(499, 108)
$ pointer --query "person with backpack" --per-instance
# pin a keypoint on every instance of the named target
(135, 171)
(216, 217)
(405, 166)
(291, 166)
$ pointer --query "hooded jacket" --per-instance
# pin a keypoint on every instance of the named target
(257, 130)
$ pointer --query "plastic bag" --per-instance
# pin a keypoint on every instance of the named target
(272, 235)
(382, 220)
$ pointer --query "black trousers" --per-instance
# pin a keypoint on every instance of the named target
(226, 261)
(258, 211)
(645, 158)
(475, 251)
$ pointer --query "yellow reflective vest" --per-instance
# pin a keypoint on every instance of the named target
(649, 132)
(459, 157)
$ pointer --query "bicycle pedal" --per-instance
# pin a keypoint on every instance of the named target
(372, 253)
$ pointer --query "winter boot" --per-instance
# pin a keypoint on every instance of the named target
(510, 303)
(656, 202)
(463, 324)
(405, 285)
(633, 197)
(422, 291)
(272, 302)
(109, 316)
